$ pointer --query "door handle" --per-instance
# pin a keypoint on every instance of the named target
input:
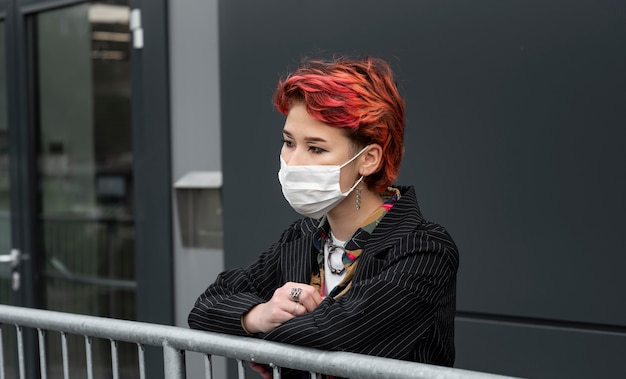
(14, 258)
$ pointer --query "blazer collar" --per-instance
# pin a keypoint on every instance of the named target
(403, 218)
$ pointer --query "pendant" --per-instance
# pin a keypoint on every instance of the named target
(331, 250)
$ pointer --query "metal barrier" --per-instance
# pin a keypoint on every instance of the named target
(175, 341)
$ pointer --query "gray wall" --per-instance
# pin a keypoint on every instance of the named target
(196, 143)
(515, 142)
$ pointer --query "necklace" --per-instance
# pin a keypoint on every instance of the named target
(331, 249)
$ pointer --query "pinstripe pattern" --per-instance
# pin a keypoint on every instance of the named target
(401, 304)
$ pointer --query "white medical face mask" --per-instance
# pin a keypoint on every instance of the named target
(313, 191)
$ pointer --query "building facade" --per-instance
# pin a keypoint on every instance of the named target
(137, 138)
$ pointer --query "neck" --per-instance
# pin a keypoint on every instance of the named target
(345, 219)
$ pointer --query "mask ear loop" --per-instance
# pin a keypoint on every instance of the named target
(348, 162)
(355, 157)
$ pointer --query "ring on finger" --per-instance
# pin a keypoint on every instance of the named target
(294, 294)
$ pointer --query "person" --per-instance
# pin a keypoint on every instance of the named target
(362, 271)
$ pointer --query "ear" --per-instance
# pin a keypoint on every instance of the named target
(370, 160)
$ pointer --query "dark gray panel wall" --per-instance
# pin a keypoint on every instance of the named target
(515, 140)
(540, 352)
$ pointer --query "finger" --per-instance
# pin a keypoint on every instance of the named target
(285, 311)
(300, 309)
(275, 312)
(310, 299)
(263, 370)
(312, 293)
(308, 304)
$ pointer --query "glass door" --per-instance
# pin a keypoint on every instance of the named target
(82, 102)
(85, 175)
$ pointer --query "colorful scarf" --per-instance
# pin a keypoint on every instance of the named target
(353, 248)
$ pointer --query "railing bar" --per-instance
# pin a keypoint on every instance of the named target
(89, 356)
(42, 353)
(341, 364)
(1, 353)
(114, 362)
(241, 369)
(66, 359)
(20, 351)
(208, 366)
(142, 362)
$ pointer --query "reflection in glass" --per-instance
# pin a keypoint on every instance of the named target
(85, 171)
(5, 203)
(10, 354)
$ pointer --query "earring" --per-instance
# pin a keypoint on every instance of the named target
(358, 198)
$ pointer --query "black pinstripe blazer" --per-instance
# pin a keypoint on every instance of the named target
(401, 304)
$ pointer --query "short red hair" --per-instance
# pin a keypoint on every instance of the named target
(359, 95)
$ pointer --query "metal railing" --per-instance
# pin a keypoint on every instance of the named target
(175, 341)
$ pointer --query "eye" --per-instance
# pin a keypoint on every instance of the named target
(287, 143)
(316, 150)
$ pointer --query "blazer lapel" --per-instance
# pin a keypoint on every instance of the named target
(296, 257)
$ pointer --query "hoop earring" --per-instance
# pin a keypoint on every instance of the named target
(358, 198)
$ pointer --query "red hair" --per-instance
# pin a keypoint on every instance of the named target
(359, 95)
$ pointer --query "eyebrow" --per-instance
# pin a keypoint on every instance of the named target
(307, 139)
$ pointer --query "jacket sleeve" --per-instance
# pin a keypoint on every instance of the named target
(394, 302)
(235, 292)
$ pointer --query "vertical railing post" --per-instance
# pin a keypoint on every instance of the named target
(89, 357)
(208, 366)
(142, 361)
(174, 363)
(66, 357)
(43, 366)
(1, 354)
(241, 369)
(21, 358)
(275, 371)
(115, 364)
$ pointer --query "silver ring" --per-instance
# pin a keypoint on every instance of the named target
(295, 293)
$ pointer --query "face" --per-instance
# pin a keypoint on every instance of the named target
(308, 141)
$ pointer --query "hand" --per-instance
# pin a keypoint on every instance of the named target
(264, 370)
(266, 317)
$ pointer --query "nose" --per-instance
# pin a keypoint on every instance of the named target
(292, 157)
